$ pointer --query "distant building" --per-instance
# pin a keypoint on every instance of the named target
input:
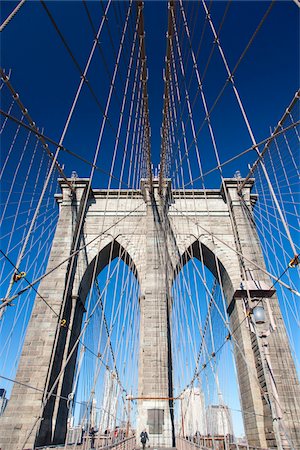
(84, 413)
(110, 402)
(88, 415)
(74, 435)
(94, 414)
(3, 401)
(242, 441)
(219, 421)
(193, 412)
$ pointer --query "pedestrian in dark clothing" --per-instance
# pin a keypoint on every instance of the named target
(92, 436)
(144, 438)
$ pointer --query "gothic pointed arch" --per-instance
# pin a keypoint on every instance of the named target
(213, 258)
(99, 260)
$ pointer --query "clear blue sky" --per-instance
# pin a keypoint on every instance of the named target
(46, 78)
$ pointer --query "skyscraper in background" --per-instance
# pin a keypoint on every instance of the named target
(193, 412)
(219, 420)
(83, 415)
(88, 414)
(94, 414)
(110, 402)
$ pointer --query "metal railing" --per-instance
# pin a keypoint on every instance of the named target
(105, 443)
(101, 442)
(211, 443)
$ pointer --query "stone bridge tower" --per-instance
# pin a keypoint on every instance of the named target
(157, 233)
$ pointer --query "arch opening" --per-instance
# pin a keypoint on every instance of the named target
(205, 255)
(204, 368)
(105, 368)
(99, 261)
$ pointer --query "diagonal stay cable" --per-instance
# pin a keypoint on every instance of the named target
(230, 77)
(56, 314)
(62, 147)
(52, 395)
(214, 236)
(12, 15)
(6, 301)
(271, 139)
(77, 65)
(229, 336)
(32, 124)
(244, 152)
(105, 119)
(64, 365)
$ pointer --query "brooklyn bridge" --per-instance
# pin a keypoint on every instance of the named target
(149, 225)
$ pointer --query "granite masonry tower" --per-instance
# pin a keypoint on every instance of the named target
(157, 231)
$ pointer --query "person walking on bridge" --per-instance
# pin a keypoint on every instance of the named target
(92, 436)
(144, 438)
